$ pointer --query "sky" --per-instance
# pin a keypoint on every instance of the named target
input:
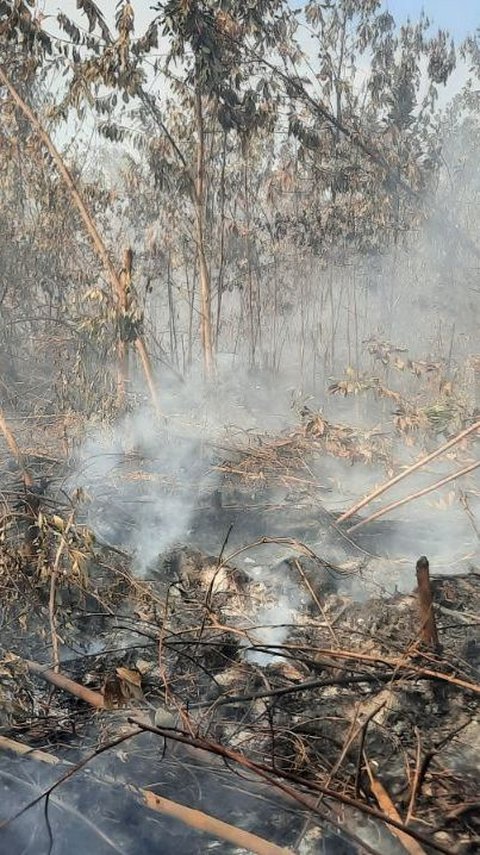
(460, 17)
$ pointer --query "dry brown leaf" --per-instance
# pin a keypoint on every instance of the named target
(129, 676)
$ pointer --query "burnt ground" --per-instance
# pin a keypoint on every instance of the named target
(274, 667)
(340, 700)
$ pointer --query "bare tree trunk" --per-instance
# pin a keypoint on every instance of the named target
(275, 359)
(172, 328)
(191, 309)
(338, 75)
(15, 451)
(122, 344)
(87, 219)
(253, 308)
(221, 269)
(338, 96)
(204, 273)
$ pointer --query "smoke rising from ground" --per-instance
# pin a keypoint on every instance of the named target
(142, 483)
(419, 297)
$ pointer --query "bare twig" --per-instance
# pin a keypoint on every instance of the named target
(294, 544)
(316, 600)
(417, 779)
(352, 733)
(466, 506)
(306, 686)
(363, 735)
(400, 664)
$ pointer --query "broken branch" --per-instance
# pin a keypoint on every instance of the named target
(415, 466)
(417, 495)
(95, 699)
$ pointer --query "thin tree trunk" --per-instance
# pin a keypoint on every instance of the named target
(191, 309)
(172, 329)
(252, 295)
(338, 76)
(275, 360)
(338, 99)
(204, 273)
(122, 344)
(221, 269)
(15, 451)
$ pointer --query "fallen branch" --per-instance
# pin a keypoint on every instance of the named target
(417, 495)
(95, 699)
(398, 664)
(273, 776)
(415, 466)
(23, 750)
(197, 819)
(461, 617)
(217, 828)
(386, 804)
(306, 686)
(72, 770)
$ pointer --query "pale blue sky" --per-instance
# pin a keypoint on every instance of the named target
(460, 17)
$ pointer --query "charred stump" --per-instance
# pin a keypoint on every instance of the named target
(428, 627)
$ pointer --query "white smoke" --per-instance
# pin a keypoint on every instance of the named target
(142, 482)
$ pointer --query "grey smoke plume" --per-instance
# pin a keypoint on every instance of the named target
(142, 483)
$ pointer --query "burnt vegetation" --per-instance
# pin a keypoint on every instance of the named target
(239, 264)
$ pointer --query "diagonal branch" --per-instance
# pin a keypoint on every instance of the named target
(413, 468)
(273, 777)
(417, 495)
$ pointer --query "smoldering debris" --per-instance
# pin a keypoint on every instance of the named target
(265, 679)
(207, 640)
(347, 678)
